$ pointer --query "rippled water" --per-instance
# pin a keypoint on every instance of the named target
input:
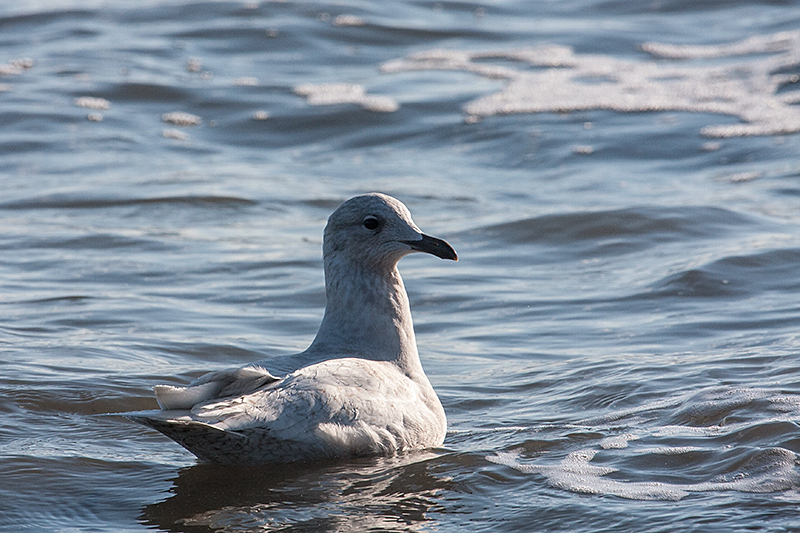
(616, 350)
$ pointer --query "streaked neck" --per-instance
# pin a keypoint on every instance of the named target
(367, 315)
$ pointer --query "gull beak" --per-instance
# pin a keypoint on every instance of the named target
(433, 246)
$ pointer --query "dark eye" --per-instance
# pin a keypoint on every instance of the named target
(372, 222)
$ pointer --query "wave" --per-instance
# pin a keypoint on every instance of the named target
(769, 470)
(82, 202)
(717, 439)
(735, 275)
(657, 224)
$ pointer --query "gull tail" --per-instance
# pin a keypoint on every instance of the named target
(209, 443)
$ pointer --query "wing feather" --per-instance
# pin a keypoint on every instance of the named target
(220, 384)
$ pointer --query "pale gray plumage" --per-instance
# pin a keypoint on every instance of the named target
(365, 393)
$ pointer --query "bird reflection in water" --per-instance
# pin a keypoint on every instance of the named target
(395, 493)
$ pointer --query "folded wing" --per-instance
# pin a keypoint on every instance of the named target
(220, 384)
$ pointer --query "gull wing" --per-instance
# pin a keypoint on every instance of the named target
(220, 384)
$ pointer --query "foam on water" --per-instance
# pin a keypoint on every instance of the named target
(747, 468)
(16, 66)
(90, 102)
(769, 470)
(349, 20)
(617, 441)
(180, 118)
(345, 93)
(575, 474)
(553, 79)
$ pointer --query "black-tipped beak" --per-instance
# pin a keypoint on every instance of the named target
(433, 246)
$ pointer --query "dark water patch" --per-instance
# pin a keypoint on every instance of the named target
(206, 353)
(232, 33)
(762, 434)
(34, 128)
(76, 396)
(29, 332)
(76, 202)
(36, 19)
(678, 6)
(697, 284)
(88, 242)
(716, 406)
(342, 126)
(98, 319)
(31, 120)
(676, 463)
(740, 321)
(68, 299)
(257, 270)
(20, 147)
(773, 270)
(145, 92)
(639, 227)
(664, 139)
(171, 13)
(474, 405)
(323, 203)
(788, 191)
(378, 34)
(598, 397)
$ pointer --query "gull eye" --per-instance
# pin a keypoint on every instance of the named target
(372, 222)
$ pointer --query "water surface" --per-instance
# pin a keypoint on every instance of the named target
(616, 350)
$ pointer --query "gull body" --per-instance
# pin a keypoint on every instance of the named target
(364, 393)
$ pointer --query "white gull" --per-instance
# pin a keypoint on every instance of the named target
(366, 395)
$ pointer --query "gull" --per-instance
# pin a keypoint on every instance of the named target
(366, 392)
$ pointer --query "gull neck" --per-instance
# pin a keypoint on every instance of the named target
(367, 315)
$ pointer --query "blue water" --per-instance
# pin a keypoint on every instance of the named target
(616, 350)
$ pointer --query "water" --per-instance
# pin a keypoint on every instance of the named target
(616, 350)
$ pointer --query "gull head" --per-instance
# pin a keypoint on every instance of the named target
(376, 230)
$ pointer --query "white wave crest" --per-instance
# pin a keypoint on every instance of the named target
(770, 470)
(556, 79)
